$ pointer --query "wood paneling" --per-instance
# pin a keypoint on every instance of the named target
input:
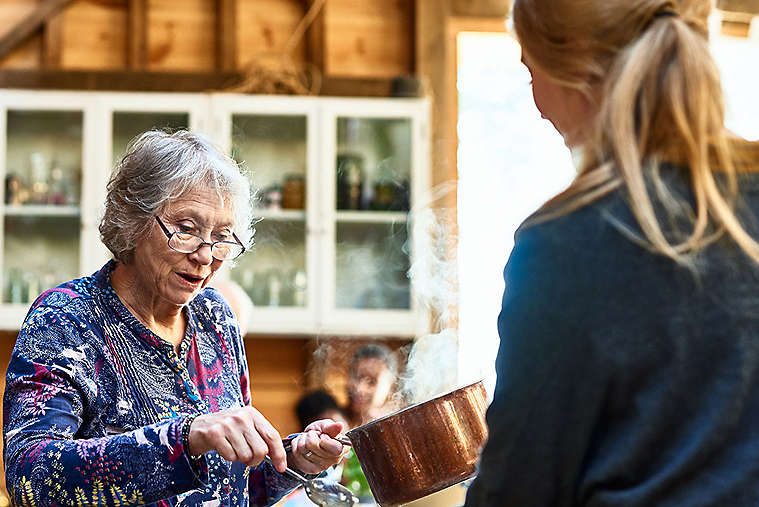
(168, 81)
(29, 24)
(369, 38)
(95, 35)
(350, 39)
(26, 55)
(182, 35)
(277, 378)
(52, 42)
(226, 34)
(137, 34)
(264, 27)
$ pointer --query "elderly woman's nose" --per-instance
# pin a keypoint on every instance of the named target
(203, 255)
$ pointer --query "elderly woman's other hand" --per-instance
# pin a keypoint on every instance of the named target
(238, 434)
(316, 449)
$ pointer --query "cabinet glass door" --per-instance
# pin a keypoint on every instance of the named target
(273, 149)
(41, 212)
(128, 125)
(372, 182)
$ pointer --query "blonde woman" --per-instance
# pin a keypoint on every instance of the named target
(628, 372)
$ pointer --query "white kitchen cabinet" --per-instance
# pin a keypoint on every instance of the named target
(336, 180)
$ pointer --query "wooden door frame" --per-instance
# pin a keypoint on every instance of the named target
(437, 31)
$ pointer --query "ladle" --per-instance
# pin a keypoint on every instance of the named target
(323, 492)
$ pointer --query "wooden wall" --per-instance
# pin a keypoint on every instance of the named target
(348, 39)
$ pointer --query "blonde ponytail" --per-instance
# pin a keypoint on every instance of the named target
(661, 101)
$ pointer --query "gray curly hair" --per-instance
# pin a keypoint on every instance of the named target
(160, 167)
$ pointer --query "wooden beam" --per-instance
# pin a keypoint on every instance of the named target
(226, 35)
(31, 23)
(315, 34)
(137, 34)
(481, 8)
(744, 6)
(52, 42)
(169, 81)
(356, 87)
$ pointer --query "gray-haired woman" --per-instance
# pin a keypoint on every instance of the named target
(131, 385)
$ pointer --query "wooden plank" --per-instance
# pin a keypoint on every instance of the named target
(182, 35)
(137, 34)
(52, 42)
(117, 80)
(736, 29)
(226, 34)
(277, 378)
(27, 26)
(745, 6)
(264, 27)
(315, 34)
(27, 55)
(356, 87)
(369, 38)
(436, 66)
(168, 81)
(95, 35)
(481, 8)
(278, 361)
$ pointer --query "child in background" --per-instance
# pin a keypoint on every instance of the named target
(372, 373)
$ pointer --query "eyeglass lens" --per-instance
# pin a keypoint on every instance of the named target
(188, 243)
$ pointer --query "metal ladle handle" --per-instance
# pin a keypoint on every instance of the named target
(289, 471)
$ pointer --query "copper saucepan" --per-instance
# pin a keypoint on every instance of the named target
(424, 448)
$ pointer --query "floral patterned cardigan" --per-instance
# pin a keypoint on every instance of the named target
(94, 404)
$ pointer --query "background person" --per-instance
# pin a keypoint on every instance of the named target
(131, 385)
(628, 370)
(372, 373)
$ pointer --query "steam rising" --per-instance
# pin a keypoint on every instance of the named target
(433, 360)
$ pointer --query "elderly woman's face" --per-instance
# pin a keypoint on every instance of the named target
(174, 277)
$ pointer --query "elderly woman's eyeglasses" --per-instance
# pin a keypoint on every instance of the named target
(184, 242)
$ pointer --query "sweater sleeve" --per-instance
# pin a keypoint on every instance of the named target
(50, 382)
(549, 388)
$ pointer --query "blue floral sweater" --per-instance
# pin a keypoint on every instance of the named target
(94, 404)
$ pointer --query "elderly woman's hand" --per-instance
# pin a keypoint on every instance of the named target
(237, 434)
(315, 449)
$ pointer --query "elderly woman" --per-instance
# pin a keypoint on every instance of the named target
(131, 385)
(628, 370)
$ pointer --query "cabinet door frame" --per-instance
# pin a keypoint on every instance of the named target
(363, 322)
(195, 105)
(12, 315)
(282, 320)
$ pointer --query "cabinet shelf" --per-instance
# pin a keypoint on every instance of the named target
(41, 210)
(371, 217)
(280, 214)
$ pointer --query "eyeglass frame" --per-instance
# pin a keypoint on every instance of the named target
(203, 242)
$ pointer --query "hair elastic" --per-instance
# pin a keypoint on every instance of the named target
(665, 13)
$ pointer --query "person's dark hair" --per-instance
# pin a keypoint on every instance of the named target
(312, 405)
(375, 351)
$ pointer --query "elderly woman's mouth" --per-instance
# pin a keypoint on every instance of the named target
(190, 278)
